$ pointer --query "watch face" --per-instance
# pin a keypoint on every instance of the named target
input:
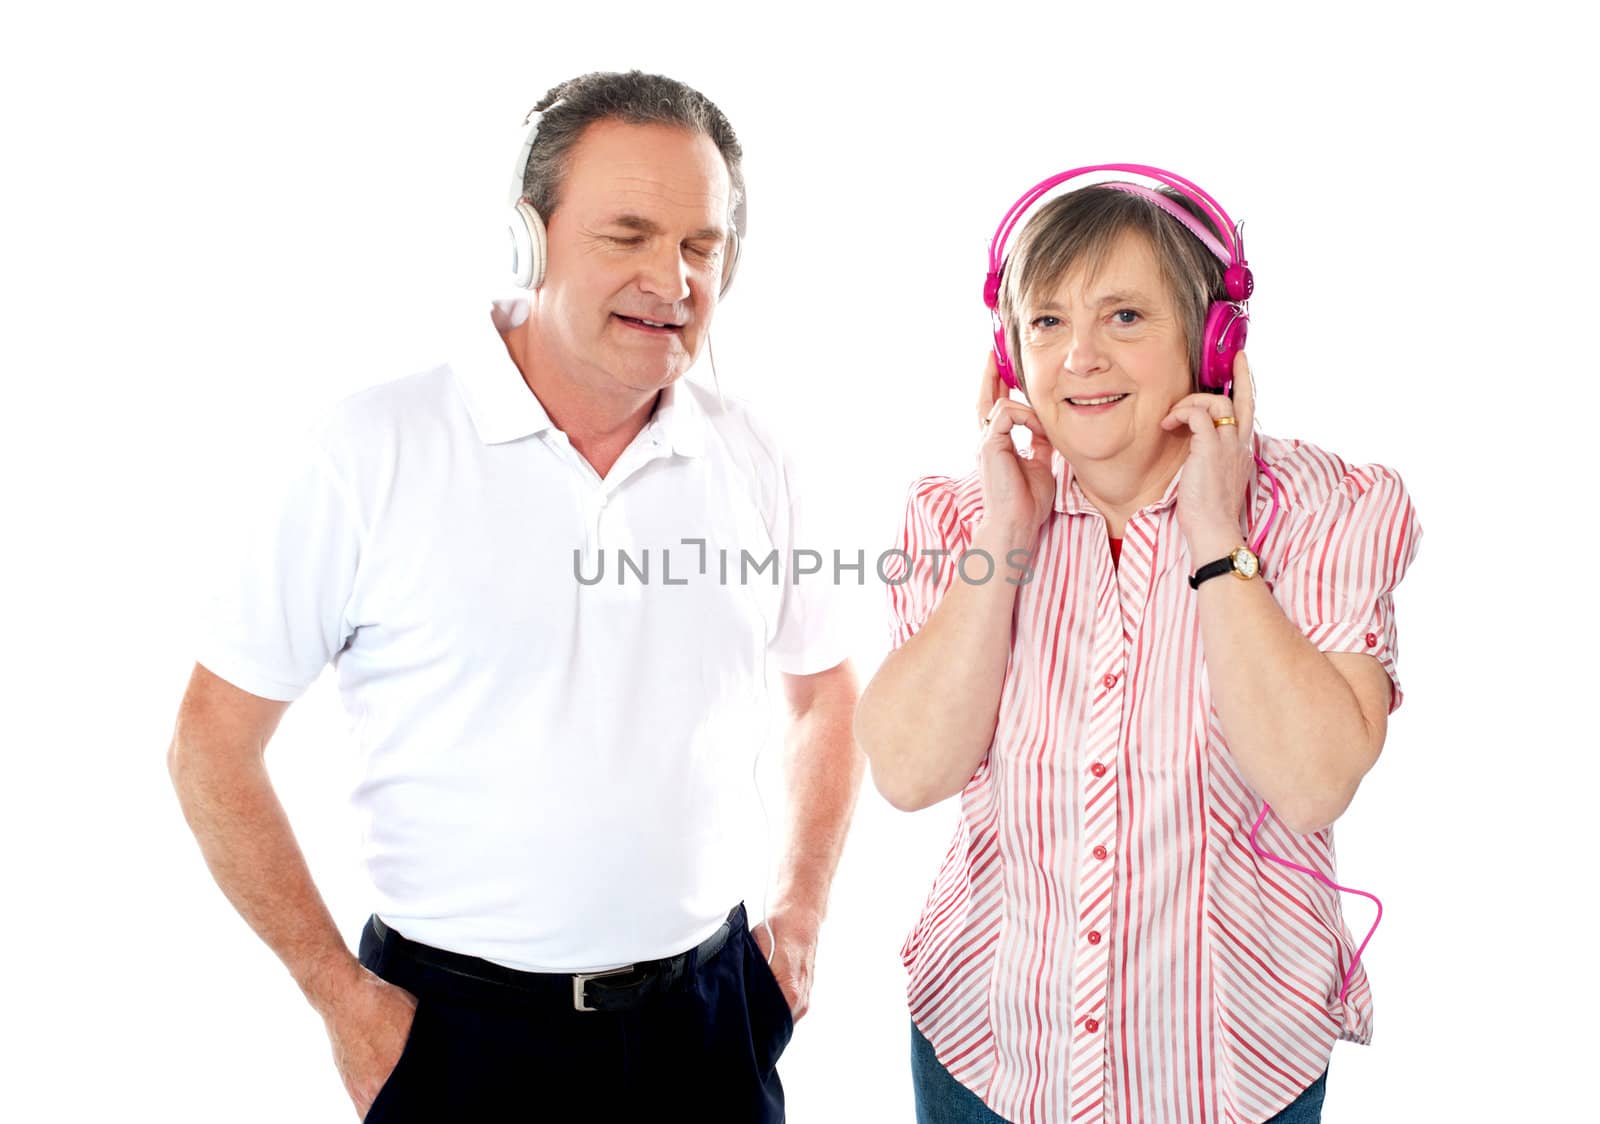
(1245, 563)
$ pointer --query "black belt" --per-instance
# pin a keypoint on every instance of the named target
(615, 989)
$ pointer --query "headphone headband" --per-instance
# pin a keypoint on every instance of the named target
(1230, 253)
(520, 174)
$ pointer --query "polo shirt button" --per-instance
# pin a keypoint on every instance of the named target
(1099, 852)
(1097, 769)
(1372, 639)
(1091, 1025)
(1094, 937)
(1109, 680)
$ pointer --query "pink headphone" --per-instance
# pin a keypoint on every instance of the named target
(1227, 321)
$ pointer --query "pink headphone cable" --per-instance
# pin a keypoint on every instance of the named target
(1255, 548)
(1272, 512)
(1320, 878)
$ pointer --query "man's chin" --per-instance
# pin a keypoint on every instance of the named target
(649, 380)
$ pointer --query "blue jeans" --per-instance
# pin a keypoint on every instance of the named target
(941, 1099)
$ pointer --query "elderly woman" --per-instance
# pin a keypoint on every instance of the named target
(1150, 724)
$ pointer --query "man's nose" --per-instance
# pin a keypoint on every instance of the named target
(665, 274)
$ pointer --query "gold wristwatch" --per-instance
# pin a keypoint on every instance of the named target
(1241, 562)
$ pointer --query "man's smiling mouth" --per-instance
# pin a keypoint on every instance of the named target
(656, 325)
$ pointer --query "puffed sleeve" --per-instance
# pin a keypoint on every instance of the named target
(279, 614)
(1340, 567)
(923, 563)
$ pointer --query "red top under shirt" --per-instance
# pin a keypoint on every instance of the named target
(1101, 943)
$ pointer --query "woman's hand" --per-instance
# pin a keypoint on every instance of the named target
(1217, 473)
(991, 388)
(1018, 491)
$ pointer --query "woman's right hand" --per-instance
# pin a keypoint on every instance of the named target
(1018, 491)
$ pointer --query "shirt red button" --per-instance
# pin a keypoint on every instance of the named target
(1097, 769)
(1091, 1025)
(1094, 937)
(1111, 680)
(1099, 852)
(1372, 639)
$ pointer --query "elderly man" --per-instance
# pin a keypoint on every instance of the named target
(555, 769)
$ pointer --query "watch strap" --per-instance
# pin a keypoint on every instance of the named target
(1211, 570)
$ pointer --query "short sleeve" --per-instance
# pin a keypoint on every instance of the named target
(279, 614)
(922, 565)
(1341, 566)
(812, 633)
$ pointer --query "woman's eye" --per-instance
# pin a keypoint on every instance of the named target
(1040, 322)
(1125, 316)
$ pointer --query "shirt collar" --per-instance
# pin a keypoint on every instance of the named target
(681, 420)
(499, 402)
(504, 409)
(1070, 499)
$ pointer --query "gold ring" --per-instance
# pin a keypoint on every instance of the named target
(1220, 422)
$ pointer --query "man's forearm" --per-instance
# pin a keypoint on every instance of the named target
(247, 842)
(823, 775)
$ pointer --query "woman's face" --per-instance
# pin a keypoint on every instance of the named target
(1105, 360)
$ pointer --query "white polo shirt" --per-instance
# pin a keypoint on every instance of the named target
(556, 770)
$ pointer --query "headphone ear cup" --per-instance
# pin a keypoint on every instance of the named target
(1008, 374)
(1239, 282)
(1227, 325)
(1002, 360)
(730, 262)
(527, 245)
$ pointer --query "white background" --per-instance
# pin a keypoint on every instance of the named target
(219, 220)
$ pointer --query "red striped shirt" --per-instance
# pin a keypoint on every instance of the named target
(1102, 944)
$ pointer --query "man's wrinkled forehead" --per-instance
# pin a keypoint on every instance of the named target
(649, 169)
(636, 193)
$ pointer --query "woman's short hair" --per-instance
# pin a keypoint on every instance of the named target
(1080, 228)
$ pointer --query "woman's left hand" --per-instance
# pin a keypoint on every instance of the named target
(1217, 473)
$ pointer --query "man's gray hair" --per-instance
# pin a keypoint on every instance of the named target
(635, 98)
(1080, 228)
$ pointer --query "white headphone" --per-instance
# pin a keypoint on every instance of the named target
(526, 228)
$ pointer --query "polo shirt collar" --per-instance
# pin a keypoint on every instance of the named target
(681, 420)
(499, 402)
(504, 409)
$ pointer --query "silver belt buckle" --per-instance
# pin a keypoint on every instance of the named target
(581, 978)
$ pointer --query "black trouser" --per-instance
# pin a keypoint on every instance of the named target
(704, 1047)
